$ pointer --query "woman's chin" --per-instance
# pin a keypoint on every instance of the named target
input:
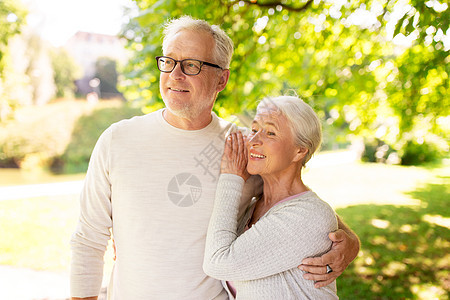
(253, 172)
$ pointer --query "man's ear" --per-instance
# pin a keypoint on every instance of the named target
(223, 80)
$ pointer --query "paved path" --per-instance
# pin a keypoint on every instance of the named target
(27, 284)
(40, 190)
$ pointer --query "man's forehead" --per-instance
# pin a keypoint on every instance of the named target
(190, 44)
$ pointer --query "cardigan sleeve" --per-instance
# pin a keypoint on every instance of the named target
(90, 239)
(276, 243)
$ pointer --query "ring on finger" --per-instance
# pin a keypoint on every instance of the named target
(329, 269)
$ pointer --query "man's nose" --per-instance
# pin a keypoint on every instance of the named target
(176, 73)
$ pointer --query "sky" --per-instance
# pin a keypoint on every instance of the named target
(58, 20)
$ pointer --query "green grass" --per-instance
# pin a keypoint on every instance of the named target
(405, 249)
(35, 232)
(401, 215)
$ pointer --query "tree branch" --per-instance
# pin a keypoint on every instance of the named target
(274, 4)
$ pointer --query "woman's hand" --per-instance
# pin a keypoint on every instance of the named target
(234, 158)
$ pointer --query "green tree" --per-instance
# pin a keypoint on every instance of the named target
(371, 68)
(40, 70)
(12, 18)
(65, 72)
(106, 71)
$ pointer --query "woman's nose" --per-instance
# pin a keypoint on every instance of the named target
(254, 139)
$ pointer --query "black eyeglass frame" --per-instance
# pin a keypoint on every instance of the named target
(182, 67)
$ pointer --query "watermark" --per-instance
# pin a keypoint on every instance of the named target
(209, 160)
(184, 189)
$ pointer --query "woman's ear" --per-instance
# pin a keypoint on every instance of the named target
(300, 155)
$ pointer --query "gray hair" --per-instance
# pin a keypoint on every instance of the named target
(223, 49)
(304, 122)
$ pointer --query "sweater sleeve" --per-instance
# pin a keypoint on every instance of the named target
(90, 239)
(276, 243)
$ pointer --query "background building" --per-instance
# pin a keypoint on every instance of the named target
(91, 49)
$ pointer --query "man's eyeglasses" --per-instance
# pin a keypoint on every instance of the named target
(188, 66)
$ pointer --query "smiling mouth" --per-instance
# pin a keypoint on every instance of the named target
(254, 155)
(178, 90)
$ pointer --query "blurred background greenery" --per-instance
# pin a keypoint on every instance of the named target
(376, 72)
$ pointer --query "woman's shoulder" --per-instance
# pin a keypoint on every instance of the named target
(307, 203)
(306, 198)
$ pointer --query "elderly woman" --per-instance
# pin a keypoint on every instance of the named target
(258, 255)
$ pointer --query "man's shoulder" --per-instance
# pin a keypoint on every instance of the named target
(230, 127)
(134, 129)
(137, 121)
(222, 122)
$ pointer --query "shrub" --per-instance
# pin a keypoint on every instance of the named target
(375, 150)
(414, 153)
(59, 136)
(38, 133)
(85, 134)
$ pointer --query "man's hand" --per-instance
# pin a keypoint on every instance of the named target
(343, 251)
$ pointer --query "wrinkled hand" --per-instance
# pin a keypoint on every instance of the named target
(234, 158)
(338, 258)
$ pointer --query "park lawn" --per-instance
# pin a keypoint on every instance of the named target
(401, 215)
(35, 233)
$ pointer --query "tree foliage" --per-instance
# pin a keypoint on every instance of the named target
(106, 71)
(65, 72)
(12, 17)
(39, 69)
(374, 68)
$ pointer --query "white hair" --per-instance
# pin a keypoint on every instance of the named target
(304, 122)
(223, 48)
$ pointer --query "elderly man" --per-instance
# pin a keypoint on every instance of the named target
(152, 179)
